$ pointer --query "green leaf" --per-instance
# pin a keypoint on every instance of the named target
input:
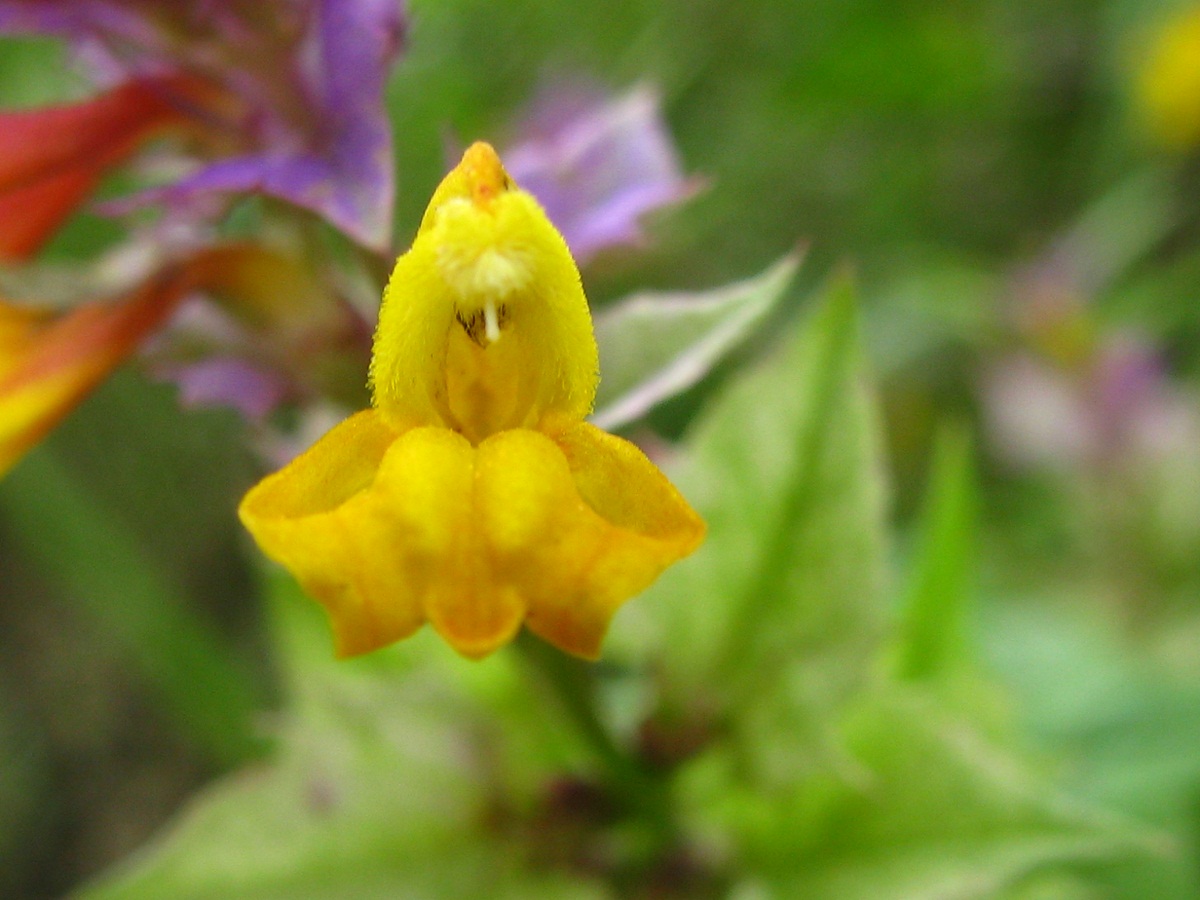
(342, 812)
(933, 629)
(1125, 730)
(784, 468)
(475, 694)
(931, 810)
(381, 789)
(656, 345)
(35, 71)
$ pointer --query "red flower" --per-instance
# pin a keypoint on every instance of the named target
(51, 159)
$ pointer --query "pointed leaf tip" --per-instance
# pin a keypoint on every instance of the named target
(654, 346)
(933, 626)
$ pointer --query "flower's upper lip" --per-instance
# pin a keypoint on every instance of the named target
(486, 178)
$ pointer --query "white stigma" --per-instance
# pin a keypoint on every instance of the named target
(491, 321)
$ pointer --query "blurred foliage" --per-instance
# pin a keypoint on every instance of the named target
(893, 670)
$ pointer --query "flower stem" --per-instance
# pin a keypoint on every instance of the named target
(572, 681)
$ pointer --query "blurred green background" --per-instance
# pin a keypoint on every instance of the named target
(986, 171)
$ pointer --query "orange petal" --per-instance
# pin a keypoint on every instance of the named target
(52, 158)
(49, 363)
(18, 325)
(317, 518)
(269, 290)
(579, 524)
(377, 527)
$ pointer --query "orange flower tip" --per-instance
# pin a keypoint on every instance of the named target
(484, 174)
(352, 637)
(582, 640)
(52, 158)
(477, 645)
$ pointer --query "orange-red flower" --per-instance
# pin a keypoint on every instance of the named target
(49, 362)
(51, 159)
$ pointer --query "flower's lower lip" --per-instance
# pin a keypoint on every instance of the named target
(421, 525)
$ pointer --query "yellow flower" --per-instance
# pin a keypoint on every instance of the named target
(1168, 84)
(473, 494)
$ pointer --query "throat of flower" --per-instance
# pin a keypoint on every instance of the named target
(489, 385)
(483, 325)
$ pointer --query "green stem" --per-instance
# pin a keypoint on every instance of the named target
(572, 682)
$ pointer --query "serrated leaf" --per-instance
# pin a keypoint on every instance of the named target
(1127, 736)
(656, 345)
(934, 812)
(380, 789)
(784, 468)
